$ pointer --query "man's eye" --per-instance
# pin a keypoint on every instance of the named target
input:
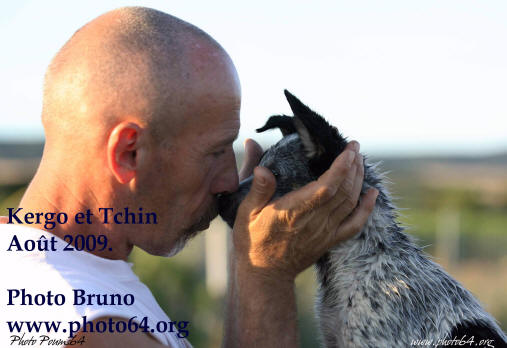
(218, 153)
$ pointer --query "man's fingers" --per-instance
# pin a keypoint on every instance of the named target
(340, 167)
(261, 191)
(253, 154)
(351, 187)
(348, 194)
(318, 193)
(355, 222)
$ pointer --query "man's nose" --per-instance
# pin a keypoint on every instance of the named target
(227, 180)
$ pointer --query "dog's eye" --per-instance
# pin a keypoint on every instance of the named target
(275, 173)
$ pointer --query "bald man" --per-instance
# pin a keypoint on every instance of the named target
(140, 110)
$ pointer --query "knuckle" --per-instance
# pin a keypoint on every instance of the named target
(349, 203)
(346, 194)
(337, 170)
(348, 185)
(342, 171)
(361, 169)
(355, 226)
(325, 192)
(359, 226)
(359, 160)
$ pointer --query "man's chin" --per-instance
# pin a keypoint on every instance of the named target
(205, 220)
(203, 224)
(187, 236)
(180, 244)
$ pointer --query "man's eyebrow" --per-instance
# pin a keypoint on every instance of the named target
(227, 141)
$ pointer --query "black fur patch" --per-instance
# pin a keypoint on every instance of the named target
(325, 137)
(323, 266)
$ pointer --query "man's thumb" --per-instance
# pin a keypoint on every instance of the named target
(261, 191)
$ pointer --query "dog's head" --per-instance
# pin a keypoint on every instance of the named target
(307, 149)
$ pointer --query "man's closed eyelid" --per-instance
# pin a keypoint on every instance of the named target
(218, 153)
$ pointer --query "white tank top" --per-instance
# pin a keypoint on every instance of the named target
(58, 282)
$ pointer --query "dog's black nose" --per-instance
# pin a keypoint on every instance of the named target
(222, 202)
(228, 203)
(226, 208)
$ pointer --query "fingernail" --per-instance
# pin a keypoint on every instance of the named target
(357, 146)
(350, 157)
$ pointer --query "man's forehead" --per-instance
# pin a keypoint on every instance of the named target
(223, 132)
(216, 130)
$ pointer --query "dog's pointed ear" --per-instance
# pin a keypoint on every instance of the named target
(297, 107)
(310, 126)
(322, 142)
(284, 123)
(312, 146)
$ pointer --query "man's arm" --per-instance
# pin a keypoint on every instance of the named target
(274, 242)
(261, 312)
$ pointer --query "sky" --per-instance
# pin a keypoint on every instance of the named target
(401, 77)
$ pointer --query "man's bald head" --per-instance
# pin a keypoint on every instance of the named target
(140, 109)
(131, 62)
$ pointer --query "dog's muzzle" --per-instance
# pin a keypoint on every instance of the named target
(228, 203)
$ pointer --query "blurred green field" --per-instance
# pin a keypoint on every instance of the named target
(476, 255)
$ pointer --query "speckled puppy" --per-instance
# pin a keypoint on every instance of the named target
(378, 289)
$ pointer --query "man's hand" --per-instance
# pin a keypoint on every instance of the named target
(281, 238)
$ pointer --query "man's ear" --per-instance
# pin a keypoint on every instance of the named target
(122, 147)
